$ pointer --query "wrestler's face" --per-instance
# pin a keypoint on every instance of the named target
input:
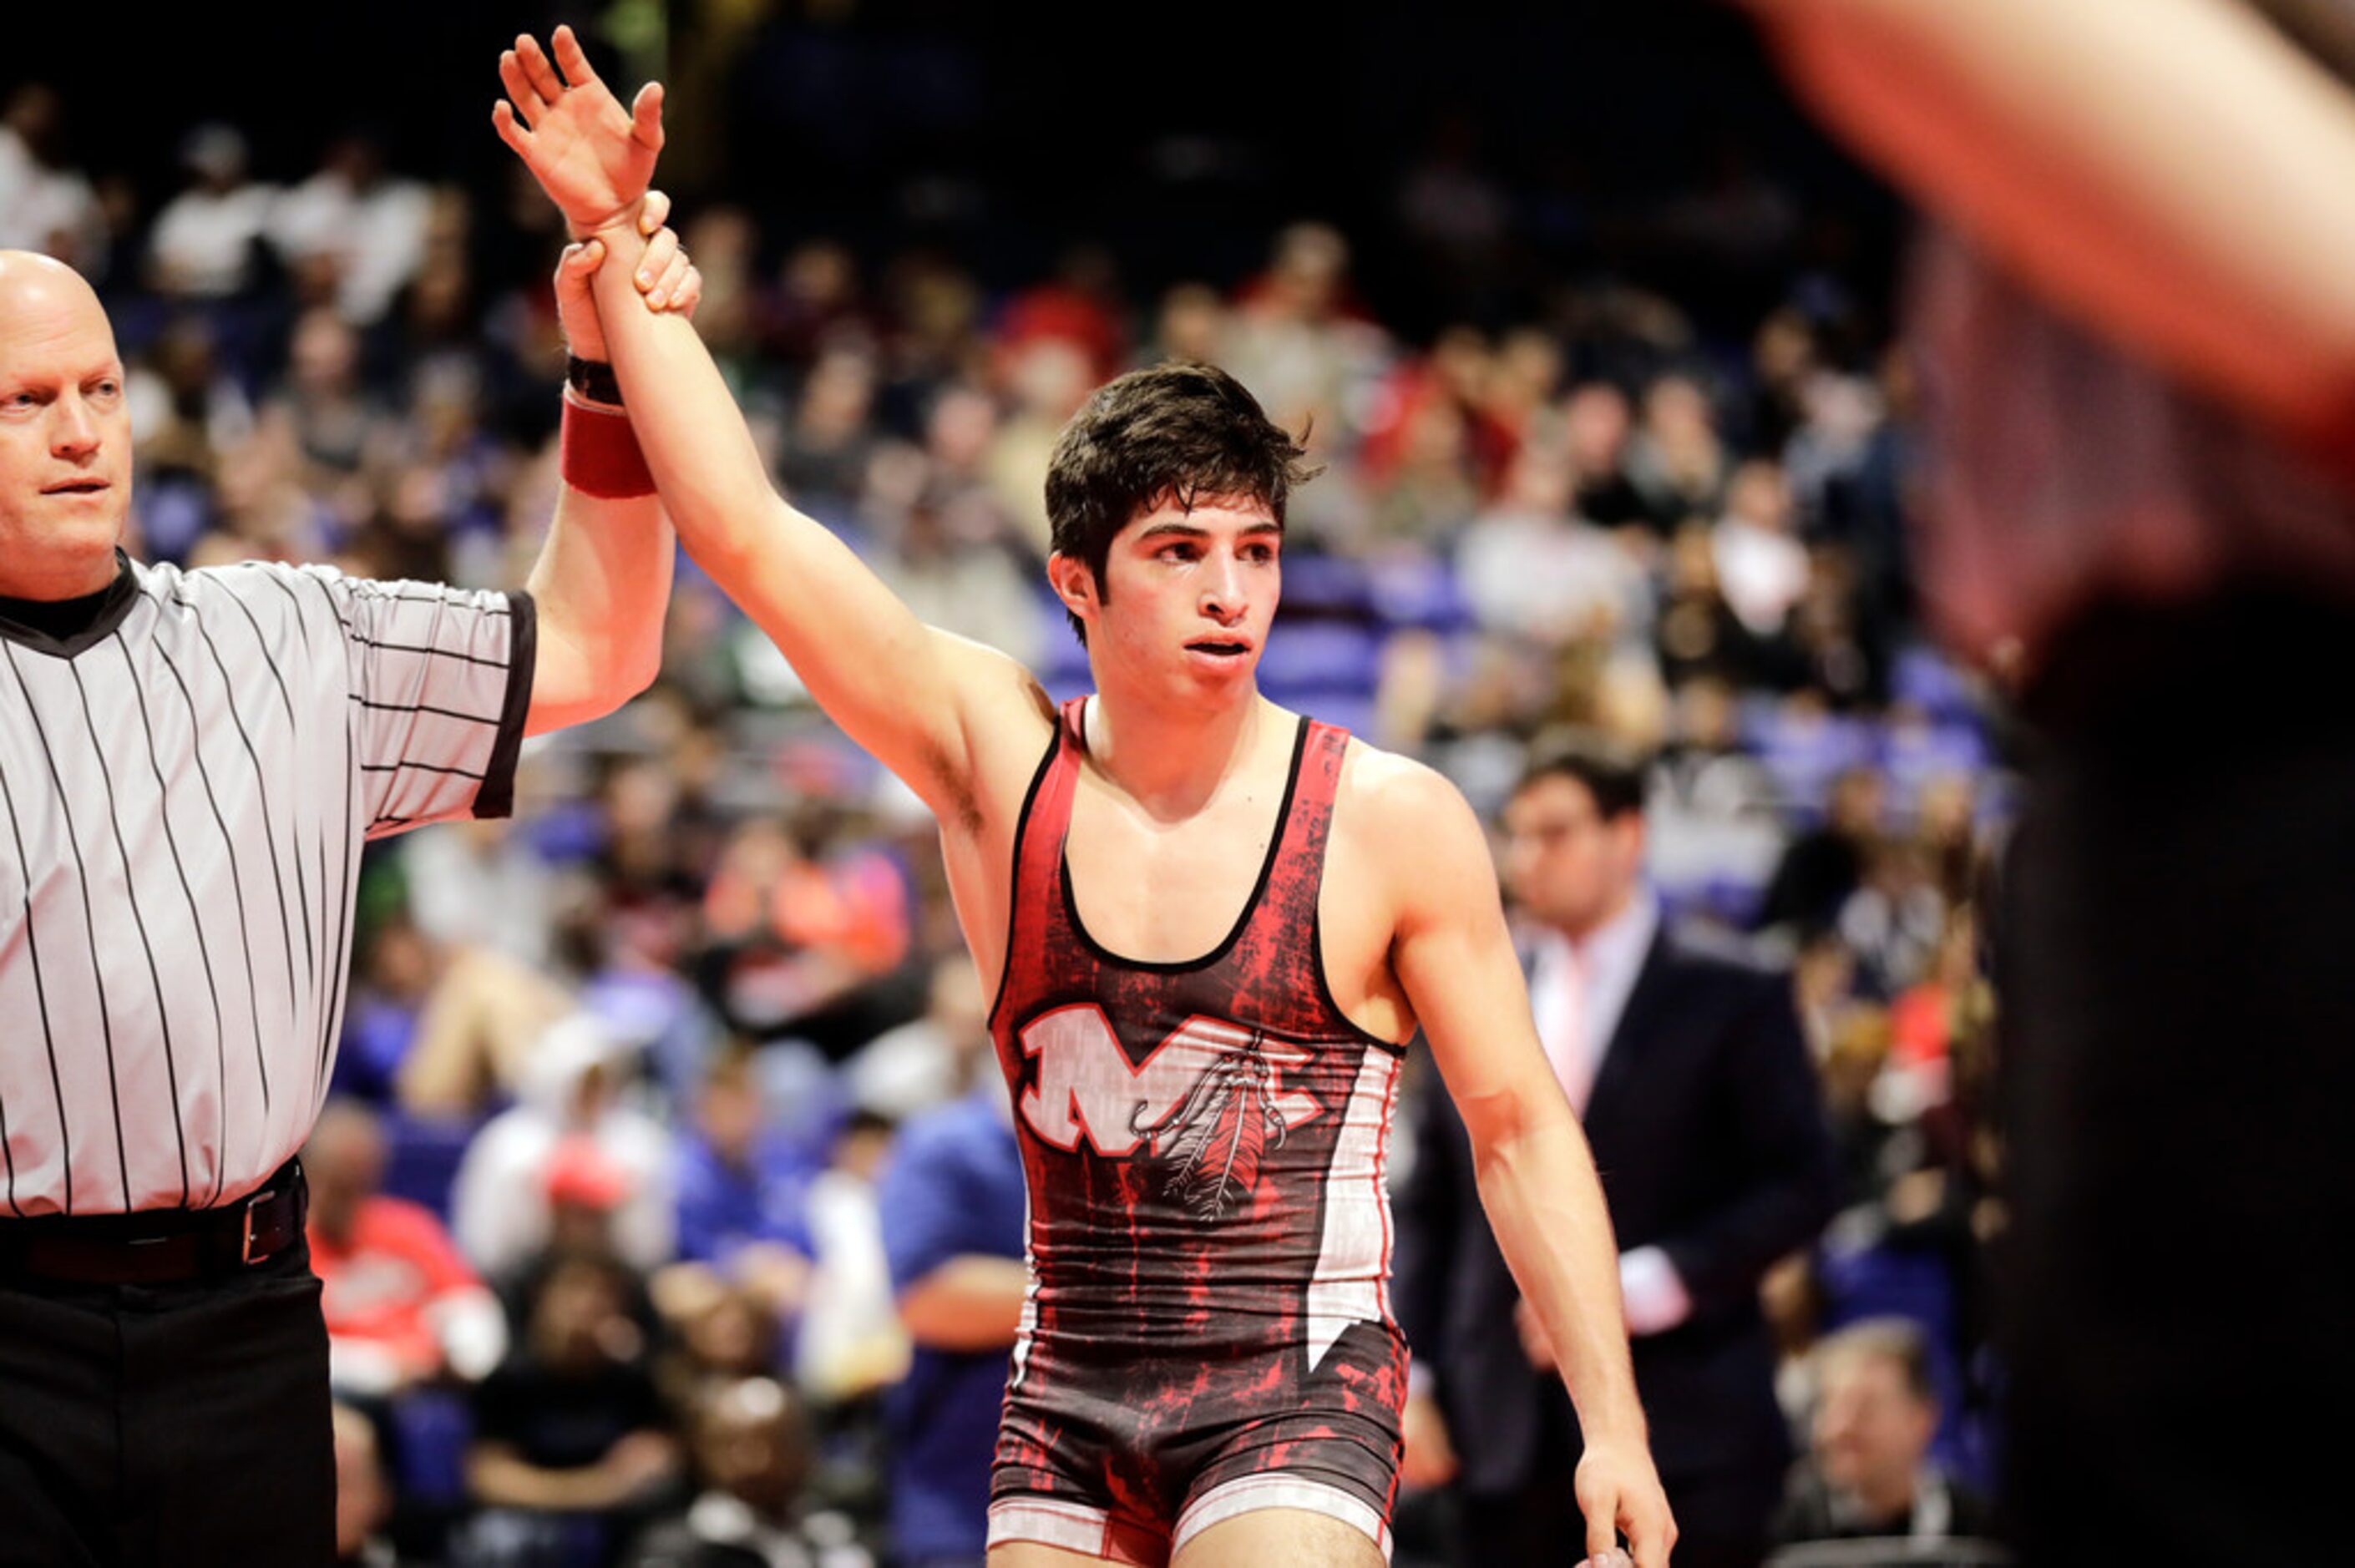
(65, 434)
(1186, 598)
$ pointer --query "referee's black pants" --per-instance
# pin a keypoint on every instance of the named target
(2177, 978)
(174, 1424)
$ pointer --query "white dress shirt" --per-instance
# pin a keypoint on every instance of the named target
(1579, 991)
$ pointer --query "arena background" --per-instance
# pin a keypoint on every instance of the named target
(1538, 225)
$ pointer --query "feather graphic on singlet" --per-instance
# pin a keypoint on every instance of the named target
(1212, 1140)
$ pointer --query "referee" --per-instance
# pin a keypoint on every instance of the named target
(189, 764)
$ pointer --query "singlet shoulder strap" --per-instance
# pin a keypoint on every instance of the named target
(1038, 833)
(1287, 897)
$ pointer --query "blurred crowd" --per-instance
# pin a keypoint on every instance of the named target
(666, 1206)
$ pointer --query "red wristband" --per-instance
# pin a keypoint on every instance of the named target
(599, 454)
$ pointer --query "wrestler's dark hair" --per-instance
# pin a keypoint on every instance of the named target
(1180, 431)
(1611, 774)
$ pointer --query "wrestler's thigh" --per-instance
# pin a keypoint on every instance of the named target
(1037, 1554)
(1294, 1537)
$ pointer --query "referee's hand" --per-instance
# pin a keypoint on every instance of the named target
(665, 277)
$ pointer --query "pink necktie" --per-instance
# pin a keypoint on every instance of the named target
(1565, 1027)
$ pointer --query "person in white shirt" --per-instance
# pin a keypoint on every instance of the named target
(202, 248)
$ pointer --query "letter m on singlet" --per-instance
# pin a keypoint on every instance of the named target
(1086, 1087)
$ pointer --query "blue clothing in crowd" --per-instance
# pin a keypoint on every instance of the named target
(953, 1187)
(723, 1206)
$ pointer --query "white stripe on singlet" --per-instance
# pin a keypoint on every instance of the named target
(183, 789)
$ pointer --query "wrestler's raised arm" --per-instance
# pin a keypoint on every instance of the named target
(918, 699)
(1453, 956)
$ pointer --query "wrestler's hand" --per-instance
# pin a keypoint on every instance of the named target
(592, 157)
(665, 277)
(1619, 1493)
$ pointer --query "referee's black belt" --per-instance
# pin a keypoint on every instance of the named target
(158, 1245)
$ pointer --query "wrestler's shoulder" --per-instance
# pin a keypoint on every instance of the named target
(1399, 809)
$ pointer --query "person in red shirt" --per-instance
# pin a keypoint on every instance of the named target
(402, 1306)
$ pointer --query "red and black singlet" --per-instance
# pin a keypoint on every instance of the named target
(1204, 1144)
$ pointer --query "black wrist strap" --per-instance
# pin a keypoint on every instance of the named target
(593, 379)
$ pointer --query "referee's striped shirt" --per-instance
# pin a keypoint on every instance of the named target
(184, 783)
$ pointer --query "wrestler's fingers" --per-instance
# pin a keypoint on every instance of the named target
(1651, 1536)
(582, 259)
(1601, 1534)
(653, 213)
(528, 101)
(645, 116)
(689, 294)
(535, 64)
(571, 58)
(510, 129)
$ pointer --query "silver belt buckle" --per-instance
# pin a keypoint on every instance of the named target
(245, 1246)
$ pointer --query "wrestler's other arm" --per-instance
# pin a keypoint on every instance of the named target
(923, 702)
(1454, 958)
(2171, 171)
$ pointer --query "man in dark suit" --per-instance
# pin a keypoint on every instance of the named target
(1689, 1072)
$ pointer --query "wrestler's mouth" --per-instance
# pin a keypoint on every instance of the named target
(1220, 647)
(76, 487)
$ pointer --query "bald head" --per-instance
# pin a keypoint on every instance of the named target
(65, 433)
(32, 279)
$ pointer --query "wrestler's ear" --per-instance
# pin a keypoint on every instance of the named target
(1075, 584)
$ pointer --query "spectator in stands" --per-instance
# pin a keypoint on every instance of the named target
(1689, 1069)
(482, 884)
(822, 460)
(452, 1030)
(572, 1447)
(953, 1214)
(1595, 423)
(1696, 631)
(1761, 568)
(354, 232)
(363, 1498)
(931, 1060)
(1894, 919)
(851, 1346)
(797, 922)
(743, 1193)
(1715, 830)
(45, 205)
(202, 248)
(752, 1452)
(1823, 867)
(1300, 342)
(1193, 324)
(1675, 460)
(1869, 1475)
(403, 1307)
(1531, 571)
(570, 1139)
